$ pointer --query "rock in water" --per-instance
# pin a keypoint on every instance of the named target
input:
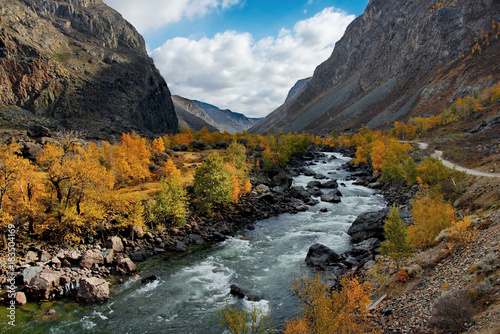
(92, 289)
(368, 225)
(149, 279)
(236, 291)
(320, 256)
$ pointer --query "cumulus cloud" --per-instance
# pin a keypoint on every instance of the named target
(147, 15)
(232, 70)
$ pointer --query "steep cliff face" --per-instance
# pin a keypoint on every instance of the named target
(78, 64)
(400, 58)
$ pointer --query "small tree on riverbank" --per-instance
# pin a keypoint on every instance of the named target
(213, 182)
(397, 245)
(324, 311)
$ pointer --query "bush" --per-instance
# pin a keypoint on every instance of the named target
(171, 203)
(452, 313)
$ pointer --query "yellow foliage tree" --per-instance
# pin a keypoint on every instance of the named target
(81, 184)
(324, 311)
(19, 187)
(431, 214)
(157, 146)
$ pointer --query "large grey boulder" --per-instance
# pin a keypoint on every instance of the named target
(368, 225)
(92, 290)
(320, 256)
(29, 273)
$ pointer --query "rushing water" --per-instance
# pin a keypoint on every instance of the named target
(193, 287)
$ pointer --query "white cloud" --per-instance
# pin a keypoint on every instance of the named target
(147, 15)
(231, 70)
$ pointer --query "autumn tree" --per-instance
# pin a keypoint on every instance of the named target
(432, 171)
(171, 203)
(136, 156)
(397, 245)
(80, 182)
(325, 311)
(431, 214)
(236, 157)
(18, 187)
(213, 182)
(157, 146)
(238, 321)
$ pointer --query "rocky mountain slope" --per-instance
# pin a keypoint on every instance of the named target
(398, 59)
(191, 116)
(196, 115)
(77, 64)
(297, 88)
(227, 120)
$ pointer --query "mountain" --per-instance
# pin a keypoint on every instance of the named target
(226, 120)
(297, 88)
(399, 59)
(77, 64)
(191, 116)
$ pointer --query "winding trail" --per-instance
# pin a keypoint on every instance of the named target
(438, 155)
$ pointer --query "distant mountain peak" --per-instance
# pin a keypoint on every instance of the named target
(210, 116)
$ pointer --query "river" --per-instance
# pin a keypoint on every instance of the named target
(193, 287)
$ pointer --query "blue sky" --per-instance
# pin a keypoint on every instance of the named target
(243, 55)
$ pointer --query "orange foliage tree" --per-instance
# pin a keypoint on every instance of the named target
(157, 146)
(323, 311)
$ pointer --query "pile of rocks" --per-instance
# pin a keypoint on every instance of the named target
(78, 274)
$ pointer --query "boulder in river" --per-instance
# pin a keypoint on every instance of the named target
(320, 256)
(330, 197)
(368, 225)
(149, 279)
(92, 290)
(237, 291)
(332, 184)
